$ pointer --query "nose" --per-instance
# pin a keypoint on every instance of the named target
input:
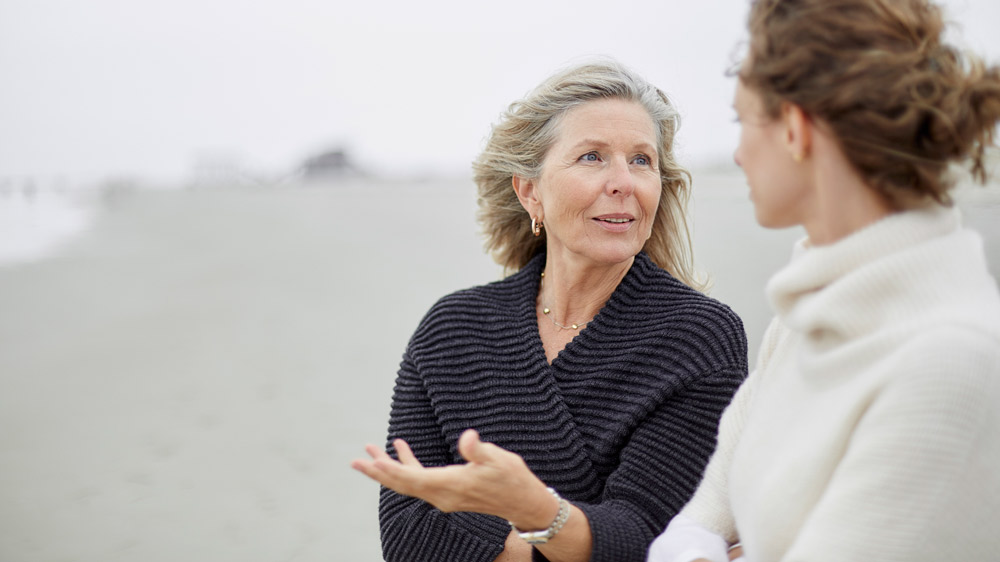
(620, 180)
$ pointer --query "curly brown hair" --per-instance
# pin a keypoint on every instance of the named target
(517, 146)
(902, 104)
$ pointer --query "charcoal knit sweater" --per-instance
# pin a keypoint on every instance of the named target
(622, 423)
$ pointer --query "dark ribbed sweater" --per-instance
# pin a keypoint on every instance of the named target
(622, 423)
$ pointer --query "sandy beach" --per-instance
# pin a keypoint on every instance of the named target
(189, 376)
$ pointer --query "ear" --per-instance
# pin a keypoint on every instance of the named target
(798, 130)
(527, 193)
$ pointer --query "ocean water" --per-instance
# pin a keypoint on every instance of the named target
(186, 374)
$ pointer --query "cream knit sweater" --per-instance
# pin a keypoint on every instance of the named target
(870, 429)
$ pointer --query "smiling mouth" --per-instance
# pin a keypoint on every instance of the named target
(615, 221)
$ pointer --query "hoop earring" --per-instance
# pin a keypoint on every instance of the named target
(536, 226)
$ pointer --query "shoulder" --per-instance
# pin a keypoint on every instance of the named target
(655, 306)
(659, 288)
(681, 305)
(954, 329)
(489, 308)
(488, 298)
(938, 408)
(958, 350)
(946, 373)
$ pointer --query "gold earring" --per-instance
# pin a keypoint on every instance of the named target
(797, 157)
(536, 226)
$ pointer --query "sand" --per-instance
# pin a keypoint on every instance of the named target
(189, 377)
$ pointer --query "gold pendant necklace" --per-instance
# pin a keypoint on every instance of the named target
(546, 311)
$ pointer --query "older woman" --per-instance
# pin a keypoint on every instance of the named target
(583, 391)
(868, 430)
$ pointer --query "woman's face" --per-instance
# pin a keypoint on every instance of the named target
(600, 184)
(777, 187)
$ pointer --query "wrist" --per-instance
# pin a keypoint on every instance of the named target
(536, 510)
(536, 534)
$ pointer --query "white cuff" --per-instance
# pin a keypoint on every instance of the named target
(685, 540)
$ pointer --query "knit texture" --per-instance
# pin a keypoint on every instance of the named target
(621, 423)
(868, 430)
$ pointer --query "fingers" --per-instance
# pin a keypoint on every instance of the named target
(472, 448)
(475, 486)
(381, 457)
(467, 444)
(367, 466)
(407, 476)
(404, 453)
(475, 450)
(398, 475)
(380, 466)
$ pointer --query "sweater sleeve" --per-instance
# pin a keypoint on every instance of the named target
(913, 484)
(659, 469)
(686, 540)
(413, 530)
(710, 505)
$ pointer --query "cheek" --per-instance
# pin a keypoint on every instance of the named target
(649, 200)
(654, 200)
(567, 199)
(574, 204)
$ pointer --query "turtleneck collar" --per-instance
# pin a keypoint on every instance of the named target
(876, 275)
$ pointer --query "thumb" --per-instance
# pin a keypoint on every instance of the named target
(471, 447)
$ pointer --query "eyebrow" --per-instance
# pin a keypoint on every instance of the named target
(601, 144)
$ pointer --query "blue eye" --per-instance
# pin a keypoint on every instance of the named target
(589, 157)
(642, 160)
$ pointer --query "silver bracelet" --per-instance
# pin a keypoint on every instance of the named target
(542, 537)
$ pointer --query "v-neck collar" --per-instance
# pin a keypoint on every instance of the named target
(527, 313)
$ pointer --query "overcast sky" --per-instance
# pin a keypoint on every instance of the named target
(109, 88)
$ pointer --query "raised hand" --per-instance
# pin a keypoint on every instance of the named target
(493, 481)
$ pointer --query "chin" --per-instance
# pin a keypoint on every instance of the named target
(614, 256)
(774, 223)
(762, 221)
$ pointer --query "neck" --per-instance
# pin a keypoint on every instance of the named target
(575, 294)
(843, 202)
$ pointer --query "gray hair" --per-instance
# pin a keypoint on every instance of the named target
(518, 144)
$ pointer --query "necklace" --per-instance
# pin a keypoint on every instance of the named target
(546, 311)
